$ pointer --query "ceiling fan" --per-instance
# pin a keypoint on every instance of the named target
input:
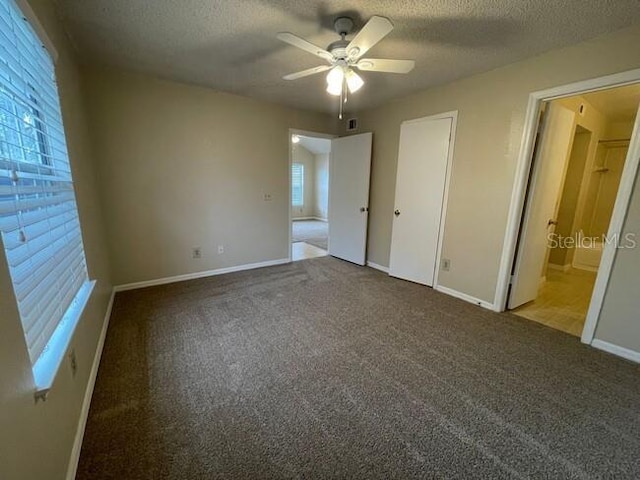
(344, 56)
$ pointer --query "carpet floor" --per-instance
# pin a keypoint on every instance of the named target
(313, 232)
(322, 369)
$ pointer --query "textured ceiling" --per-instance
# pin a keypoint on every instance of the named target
(619, 104)
(231, 46)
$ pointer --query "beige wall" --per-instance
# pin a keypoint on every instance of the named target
(321, 203)
(491, 110)
(575, 181)
(184, 166)
(301, 155)
(561, 256)
(37, 439)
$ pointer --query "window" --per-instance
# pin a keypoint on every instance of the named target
(297, 185)
(38, 214)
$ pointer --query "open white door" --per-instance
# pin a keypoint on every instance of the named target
(349, 173)
(420, 185)
(544, 194)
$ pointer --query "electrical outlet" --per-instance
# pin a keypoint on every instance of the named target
(196, 252)
(267, 197)
(73, 363)
(220, 249)
(446, 264)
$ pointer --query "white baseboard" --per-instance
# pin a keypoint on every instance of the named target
(464, 296)
(88, 393)
(562, 268)
(377, 267)
(616, 350)
(586, 268)
(193, 276)
(295, 219)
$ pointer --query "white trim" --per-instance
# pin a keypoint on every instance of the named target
(88, 393)
(561, 268)
(319, 219)
(464, 296)
(616, 350)
(518, 193)
(193, 276)
(586, 268)
(46, 368)
(621, 206)
(445, 195)
(375, 266)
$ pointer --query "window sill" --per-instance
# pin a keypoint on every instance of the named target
(46, 367)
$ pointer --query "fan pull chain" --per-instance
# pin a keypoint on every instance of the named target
(341, 102)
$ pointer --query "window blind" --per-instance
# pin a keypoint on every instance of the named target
(297, 184)
(38, 214)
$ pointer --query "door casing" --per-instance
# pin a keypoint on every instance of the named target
(519, 192)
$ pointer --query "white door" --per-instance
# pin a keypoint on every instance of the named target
(349, 172)
(420, 186)
(544, 196)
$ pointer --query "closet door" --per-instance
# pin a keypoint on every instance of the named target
(420, 187)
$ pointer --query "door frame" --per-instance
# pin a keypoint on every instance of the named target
(304, 133)
(522, 175)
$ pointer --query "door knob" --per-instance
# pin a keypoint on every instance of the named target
(364, 209)
(397, 213)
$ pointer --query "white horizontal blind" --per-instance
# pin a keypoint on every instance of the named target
(297, 184)
(38, 213)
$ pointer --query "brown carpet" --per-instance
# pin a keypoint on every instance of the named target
(313, 232)
(322, 369)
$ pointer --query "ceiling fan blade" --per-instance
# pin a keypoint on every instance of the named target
(296, 41)
(385, 65)
(307, 72)
(375, 30)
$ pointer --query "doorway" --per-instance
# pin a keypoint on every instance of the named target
(576, 177)
(309, 196)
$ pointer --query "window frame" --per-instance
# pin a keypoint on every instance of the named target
(49, 360)
(294, 201)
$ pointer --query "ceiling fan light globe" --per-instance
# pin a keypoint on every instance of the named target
(354, 81)
(335, 76)
(334, 89)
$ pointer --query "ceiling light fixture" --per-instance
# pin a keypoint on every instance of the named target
(354, 81)
(342, 80)
(345, 56)
(335, 80)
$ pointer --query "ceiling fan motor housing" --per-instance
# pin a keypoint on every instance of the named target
(343, 26)
(338, 49)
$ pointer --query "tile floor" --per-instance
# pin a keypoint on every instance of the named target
(563, 301)
(302, 251)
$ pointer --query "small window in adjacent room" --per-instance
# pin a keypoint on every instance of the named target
(297, 185)
(39, 222)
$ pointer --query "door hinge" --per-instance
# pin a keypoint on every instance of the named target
(511, 279)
